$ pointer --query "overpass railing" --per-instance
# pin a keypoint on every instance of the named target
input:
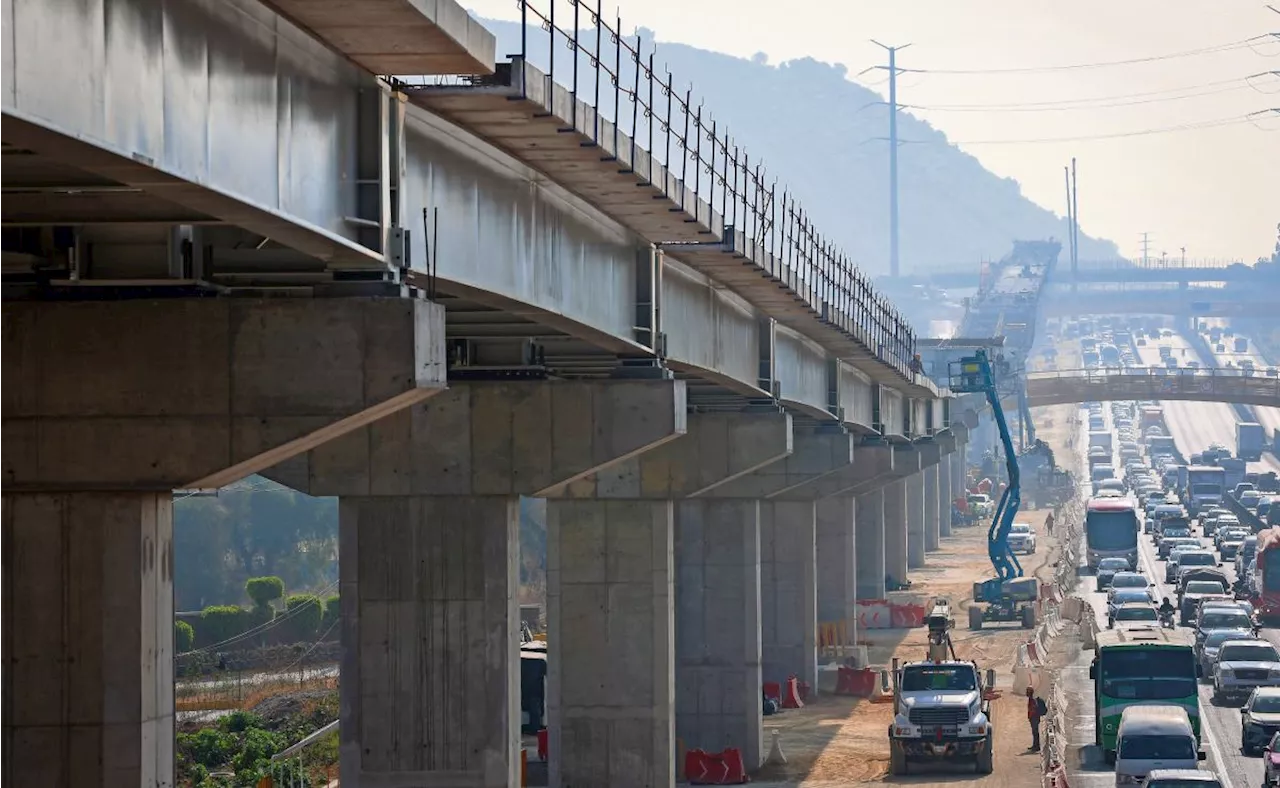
(617, 75)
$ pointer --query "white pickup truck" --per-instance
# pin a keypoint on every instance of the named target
(1022, 539)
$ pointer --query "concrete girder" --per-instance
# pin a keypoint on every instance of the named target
(498, 439)
(717, 448)
(817, 453)
(200, 392)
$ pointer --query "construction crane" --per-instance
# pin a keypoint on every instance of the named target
(1008, 596)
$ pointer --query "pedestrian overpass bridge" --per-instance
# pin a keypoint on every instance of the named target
(1059, 301)
(1135, 383)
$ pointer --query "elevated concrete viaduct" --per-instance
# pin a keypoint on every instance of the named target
(232, 247)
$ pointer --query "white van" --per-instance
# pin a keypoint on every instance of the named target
(1154, 737)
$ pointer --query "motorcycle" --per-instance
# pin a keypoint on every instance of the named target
(1166, 619)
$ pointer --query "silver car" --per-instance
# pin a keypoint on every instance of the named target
(1243, 666)
(1207, 652)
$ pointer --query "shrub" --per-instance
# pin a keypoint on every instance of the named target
(239, 722)
(256, 748)
(332, 612)
(221, 622)
(264, 590)
(208, 747)
(183, 637)
(305, 614)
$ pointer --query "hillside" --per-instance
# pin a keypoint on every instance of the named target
(802, 117)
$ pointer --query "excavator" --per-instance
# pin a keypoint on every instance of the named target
(1008, 596)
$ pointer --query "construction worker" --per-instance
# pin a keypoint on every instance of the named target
(1035, 710)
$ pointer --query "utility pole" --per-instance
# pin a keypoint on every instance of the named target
(1075, 218)
(1184, 257)
(893, 70)
(1146, 246)
(1071, 229)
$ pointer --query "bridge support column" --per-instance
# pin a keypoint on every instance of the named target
(945, 497)
(914, 494)
(871, 545)
(932, 509)
(611, 622)
(715, 662)
(837, 561)
(94, 705)
(788, 591)
(430, 669)
(718, 648)
(895, 529)
(959, 464)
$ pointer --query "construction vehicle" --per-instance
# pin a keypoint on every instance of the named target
(1008, 596)
(941, 706)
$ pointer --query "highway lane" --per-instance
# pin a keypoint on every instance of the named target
(1221, 724)
(1194, 425)
(1267, 417)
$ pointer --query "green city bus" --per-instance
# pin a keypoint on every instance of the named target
(1146, 666)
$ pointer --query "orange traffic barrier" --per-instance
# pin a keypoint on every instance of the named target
(715, 768)
(851, 681)
(791, 694)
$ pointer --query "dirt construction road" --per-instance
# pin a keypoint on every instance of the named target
(842, 741)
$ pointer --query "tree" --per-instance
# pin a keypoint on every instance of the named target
(264, 590)
(202, 554)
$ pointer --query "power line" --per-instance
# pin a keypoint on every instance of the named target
(1212, 124)
(1071, 108)
(1118, 97)
(1227, 47)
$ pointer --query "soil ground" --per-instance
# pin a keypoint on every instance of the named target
(839, 741)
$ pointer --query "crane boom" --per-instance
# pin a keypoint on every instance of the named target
(975, 376)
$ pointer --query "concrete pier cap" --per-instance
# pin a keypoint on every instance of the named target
(717, 448)
(907, 460)
(199, 392)
(872, 464)
(930, 452)
(817, 452)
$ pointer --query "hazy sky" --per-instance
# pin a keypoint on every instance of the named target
(1215, 191)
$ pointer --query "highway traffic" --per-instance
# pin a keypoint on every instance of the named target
(1194, 426)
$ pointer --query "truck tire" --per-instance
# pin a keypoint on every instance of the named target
(1028, 617)
(985, 762)
(897, 759)
(975, 617)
